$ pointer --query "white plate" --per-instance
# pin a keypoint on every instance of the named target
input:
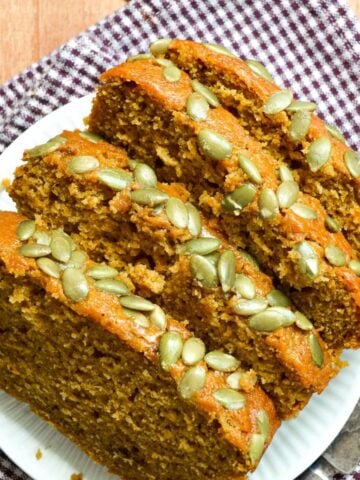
(295, 447)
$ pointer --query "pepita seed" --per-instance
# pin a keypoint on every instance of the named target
(132, 163)
(46, 148)
(278, 102)
(249, 167)
(219, 49)
(34, 250)
(287, 193)
(234, 380)
(271, 319)
(244, 286)
(60, 233)
(158, 318)
(177, 212)
(172, 74)
(208, 94)
(25, 230)
(197, 107)
(164, 62)
(222, 362)
(335, 132)
(157, 210)
(352, 161)
(301, 106)
(268, 204)
(74, 284)
(214, 145)
(115, 178)
(49, 267)
(77, 259)
(250, 259)
(332, 225)
(309, 260)
(250, 307)
(355, 266)
(116, 287)
(239, 198)
(149, 196)
(200, 246)
(91, 136)
(195, 224)
(213, 258)
(285, 174)
(193, 351)
(259, 69)
(140, 56)
(316, 351)
(145, 175)
(300, 124)
(229, 398)
(42, 238)
(278, 299)
(99, 272)
(60, 248)
(256, 447)
(227, 270)
(203, 271)
(335, 256)
(304, 211)
(170, 349)
(318, 153)
(83, 164)
(160, 46)
(134, 302)
(302, 321)
(137, 317)
(192, 381)
(263, 423)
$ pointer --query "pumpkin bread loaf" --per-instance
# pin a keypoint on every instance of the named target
(155, 111)
(110, 370)
(286, 128)
(118, 212)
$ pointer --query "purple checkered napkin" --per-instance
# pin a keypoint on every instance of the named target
(310, 46)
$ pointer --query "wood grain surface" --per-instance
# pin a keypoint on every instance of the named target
(30, 29)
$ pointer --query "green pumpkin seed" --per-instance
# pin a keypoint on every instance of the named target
(177, 212)
(227, 270)
(77, 259)
(193, 351)
(25, 230)
(263, 423)
(214, 145)
(250, 307)
(300, 124)
(285, 174)
(268, 204)
(256, 447)
(164, 62)
(99, 272)
(172, 74)
(335, 256)
(287, 193)
(332, 225)
(318, 153)
(170, 349)
(278, 299)
(249, 167)
(259, 69)
(208, 94)
(149, 196)
(302, 321)
(229, 398)
(137, 317)
(239, 198)
(317, 353)
(192, 381)
(92, 137)
(160, 46)
(271, 319)
(140, 56)
(219, 49)
(244, 286)
(200, 246)
(222, 362)
(83, 164)
(355, 266)
(203, 271)
(157, 210)
(134, 302)
(352, 161)
(335, 132)
(60, 248)
(49, 267)
(301, 106)
(304, 211)
(158, 318)
(115, 178)
(195, 223)
(74, 284)
(46, 148)
(234, 380)
(309, 260)
(213, 258)
(197, 107)
(278, 102)
(132, 163)
(144, 175)
(34, 250)
(116, 287)
(42, 238)
(250, 259)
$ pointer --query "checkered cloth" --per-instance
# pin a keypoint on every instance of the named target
(310, 46)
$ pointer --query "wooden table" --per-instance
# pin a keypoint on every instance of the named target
(30, 29)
